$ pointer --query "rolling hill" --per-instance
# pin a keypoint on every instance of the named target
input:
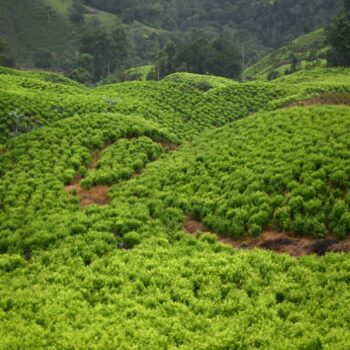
(122, 208)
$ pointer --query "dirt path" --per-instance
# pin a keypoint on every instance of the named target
(94, 195)
(276, 241)
(98, 194)
(323, 99)
(169, 145)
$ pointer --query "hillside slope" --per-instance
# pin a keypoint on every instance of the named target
(307, 51)
(185, 104)
(93, 248)
(29, 25)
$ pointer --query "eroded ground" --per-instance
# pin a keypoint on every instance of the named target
(276, 241)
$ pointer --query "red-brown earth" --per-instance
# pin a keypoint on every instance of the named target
(279, 242)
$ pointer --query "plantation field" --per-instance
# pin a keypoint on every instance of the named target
(185, 104)
(96, 186)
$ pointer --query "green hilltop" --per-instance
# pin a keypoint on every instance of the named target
(184, 103)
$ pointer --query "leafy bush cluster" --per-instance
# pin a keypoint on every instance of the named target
(169, 294)
(35, 168)
(121, 160)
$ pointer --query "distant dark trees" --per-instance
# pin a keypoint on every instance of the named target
(347, 6)
(43, 58)
(339, 38)
(108, 49)
(272, 22)
(77, 11)
(216, 57)
(6, 58)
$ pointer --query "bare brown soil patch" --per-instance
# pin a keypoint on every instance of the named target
(98, 194)
(94, 160)
(193, 226)
(323, 99)
(94, 195)
(169, 145)
(275, 241)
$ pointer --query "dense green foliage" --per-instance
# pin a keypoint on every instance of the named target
(31, 25)
(271, 21)
(56, 154)
(125, 275)
(339, 38)
(170, 293)
(107, 49)
(121, 160)
(174, 103)
(218, 57)
(6, 59)
(271, 169)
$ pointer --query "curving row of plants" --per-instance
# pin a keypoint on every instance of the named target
(287, 170)
(122, 160)
(183, 103)
(35, 167)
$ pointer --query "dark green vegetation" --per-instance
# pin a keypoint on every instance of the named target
(6, 58)
(54, 29)
(124, 274)
(272, 22)
(218, 57)
(32, 25)
(339, 38)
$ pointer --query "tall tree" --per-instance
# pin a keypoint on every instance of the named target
(347, 6)
(117, 48)
(223, 59)
(94, 42)
(217, 57)
(243, 37)
(6, 58)
(167, 60)
(77, 11)
(339, 38)
(43, 58)
(109, 50)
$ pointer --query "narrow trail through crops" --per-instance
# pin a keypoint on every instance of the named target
(323, 99)
(98, 194)
(275, 241)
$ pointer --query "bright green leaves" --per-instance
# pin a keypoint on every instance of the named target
(122, 160)
(282, 170)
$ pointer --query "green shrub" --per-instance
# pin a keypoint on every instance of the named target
(131, 239)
